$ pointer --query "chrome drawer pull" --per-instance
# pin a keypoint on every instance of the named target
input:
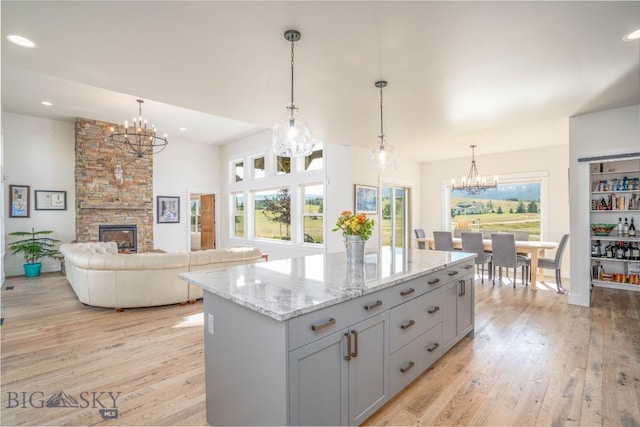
(355, 337)
(369, 307)
(406, 367)
(326, 324)
(408, 324)
(433, 347)
(433, 309)
(407, 292)
(348, 356)
(433, 282)
(453, 273)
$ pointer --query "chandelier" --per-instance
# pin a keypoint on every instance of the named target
(474, 183)
(139, 140)
(292, 136)
(383, 156)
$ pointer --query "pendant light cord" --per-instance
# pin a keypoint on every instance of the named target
(292, 104)
(381, 128)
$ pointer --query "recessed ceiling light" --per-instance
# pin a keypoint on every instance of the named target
(47, 103)
(20, 41)
(183, 129)
(632, 36)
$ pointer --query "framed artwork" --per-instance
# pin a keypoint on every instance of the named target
(168, 209)
(19, 201)
(366, 198)
(51, 200)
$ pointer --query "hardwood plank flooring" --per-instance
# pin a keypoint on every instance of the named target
(535, 360)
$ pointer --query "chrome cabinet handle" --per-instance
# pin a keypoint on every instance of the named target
(433, 309)
(326, 324)
(407, 292)
(433, 347)
(433, 282)
(355, 338)
(406, 367)
(372, 306)
(348, 356)
(407, 325)
(453, 273)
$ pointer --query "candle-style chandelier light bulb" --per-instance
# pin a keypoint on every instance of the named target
(473, 183)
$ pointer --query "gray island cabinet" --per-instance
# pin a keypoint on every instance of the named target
(316, 341)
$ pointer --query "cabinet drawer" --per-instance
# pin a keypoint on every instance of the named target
(315, 325)
(413, 318)
(413, 359)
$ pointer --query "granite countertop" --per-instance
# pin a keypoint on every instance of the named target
(289, 288)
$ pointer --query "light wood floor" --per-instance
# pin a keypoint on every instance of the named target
(535, 360)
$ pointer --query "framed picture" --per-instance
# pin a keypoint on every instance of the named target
(19, 203)
(168, 209)
(366, 199)
(51, 200)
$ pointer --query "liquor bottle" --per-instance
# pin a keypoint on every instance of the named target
(608, 250)
(619, 228)
(635, 252)
(627, 251)
(619, 251)
(632, 229)
(625, 228)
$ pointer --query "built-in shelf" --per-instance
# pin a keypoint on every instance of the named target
(116, 205)
(615, 285)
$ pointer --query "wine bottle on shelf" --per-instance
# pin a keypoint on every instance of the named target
(627, 251)
(619, 250)
(608, 251)
(632, 229)
(625, 228)
(635, 252)
(619, 228)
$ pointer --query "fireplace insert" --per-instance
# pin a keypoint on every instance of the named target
(124, 235)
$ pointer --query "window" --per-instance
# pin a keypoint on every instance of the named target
(283, 165)
(258, 167)
(238, 168)
(238, 215)
(313, 213)
(315, 160)
(196, 224)
(272, 214)
(512, 206)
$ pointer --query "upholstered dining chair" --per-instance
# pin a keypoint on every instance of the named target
(419, 235)
(556, 262)
(442, 241)
(472, 243)
(504, 254)
(522, 236)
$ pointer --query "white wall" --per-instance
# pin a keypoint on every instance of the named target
(39, 153)
(182, 167)
(609, 132)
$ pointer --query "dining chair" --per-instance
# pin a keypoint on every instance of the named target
(443, 241)
(522, 236)
(504, 254)
(419, 235)
(555, 263)
(472, 243)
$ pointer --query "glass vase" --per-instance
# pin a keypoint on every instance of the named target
(355, 249)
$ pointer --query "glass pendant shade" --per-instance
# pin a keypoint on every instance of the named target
(383, 157)
(292, 137)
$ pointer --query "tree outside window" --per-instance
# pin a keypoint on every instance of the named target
(238, 215)
(272, 214)
(313, 213)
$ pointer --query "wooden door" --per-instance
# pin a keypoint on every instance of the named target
(208, 221)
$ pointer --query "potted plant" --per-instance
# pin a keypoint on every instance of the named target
(34, 248)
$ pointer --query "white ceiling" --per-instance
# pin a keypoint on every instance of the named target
(502, 75)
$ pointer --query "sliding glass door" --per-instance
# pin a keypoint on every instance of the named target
(394, 217)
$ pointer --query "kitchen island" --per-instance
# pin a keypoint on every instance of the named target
(317, 341)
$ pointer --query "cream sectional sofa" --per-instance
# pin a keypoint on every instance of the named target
(102, 277)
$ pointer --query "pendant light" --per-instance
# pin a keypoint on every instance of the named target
(292, 136)
(384, 156)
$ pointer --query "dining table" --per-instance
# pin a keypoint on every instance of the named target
(534, 248)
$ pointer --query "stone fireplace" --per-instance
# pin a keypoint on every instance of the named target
(112, 187)
(124, 235)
